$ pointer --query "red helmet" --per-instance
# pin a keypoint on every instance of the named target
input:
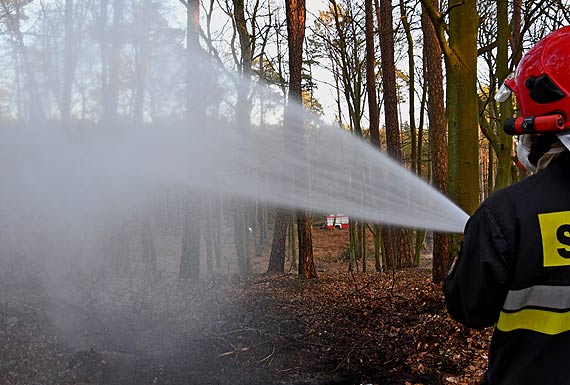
(542, 79)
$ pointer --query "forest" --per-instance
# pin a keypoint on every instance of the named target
(247, 191)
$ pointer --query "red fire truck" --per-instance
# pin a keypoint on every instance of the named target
(337, 221)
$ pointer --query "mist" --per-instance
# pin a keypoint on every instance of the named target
(68, 184)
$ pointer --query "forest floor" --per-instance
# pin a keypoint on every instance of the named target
(342, 328)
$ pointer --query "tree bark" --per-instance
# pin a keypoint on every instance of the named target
(142, 63)
(411, 85)
(462, 105)
(397, 241)
(68, 65)
(190, 257)
(373, 111)
(111, 101)
(296, 15)
(277, 256)
(437, 135)
(103, 15)
(243, 107)
(504, 149)
(190, 253)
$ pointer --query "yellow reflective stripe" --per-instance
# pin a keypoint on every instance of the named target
(541, 321)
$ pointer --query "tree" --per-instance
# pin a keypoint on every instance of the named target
(13, 13)
(411, 83)
(278, 250)
(296, 15)
(111, 98)
(396, 241)
(142, 59)
(437, 135)
(243, 109)
(283, 216)
(68, 65)
(190, 256)
(373, 112)
(460, 53)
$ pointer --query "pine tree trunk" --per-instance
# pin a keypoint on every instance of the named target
(363, 242)
(190, 253)
(397, 241)
(352, 246)
(377, 246)
(142, 64)
(68, 65)
(293, 240)
(306, 262)
(505, 145)
(373, 112)
(437, 136)
(296, 14)
(111, 102)
(277, 256)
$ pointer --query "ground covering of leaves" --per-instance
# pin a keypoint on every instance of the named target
(343, 328)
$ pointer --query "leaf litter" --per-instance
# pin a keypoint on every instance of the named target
(342, 328)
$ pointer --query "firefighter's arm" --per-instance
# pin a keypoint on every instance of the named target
(477, 284)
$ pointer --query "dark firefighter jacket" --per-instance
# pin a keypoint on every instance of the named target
(513, 273)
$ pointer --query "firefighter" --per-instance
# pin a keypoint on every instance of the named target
(513, 269)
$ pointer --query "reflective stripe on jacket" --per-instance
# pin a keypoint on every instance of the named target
(544, 309)
(513, 272)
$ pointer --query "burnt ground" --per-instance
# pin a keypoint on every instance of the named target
(361, 328)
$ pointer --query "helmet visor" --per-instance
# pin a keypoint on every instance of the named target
(504, 92)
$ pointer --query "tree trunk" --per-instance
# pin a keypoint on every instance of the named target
(277, 256)
(243, 107)
(190, 259)
(68, 66)
(516, 46)
(352, 245)
(377, 247)
(373, 112)
(111, 102)
(411, 84)
(148, 250)
(210, 235)
(103, 15)
(142, 63)
(306, 262)
(363, 243)
(462, 109)
(397, 241)
(190, 253)
(437, 135)
(505, 145)
(462, 105)
(240, 238)
(293, 240)
(36, 112)
(192, 52)
(296, 14)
